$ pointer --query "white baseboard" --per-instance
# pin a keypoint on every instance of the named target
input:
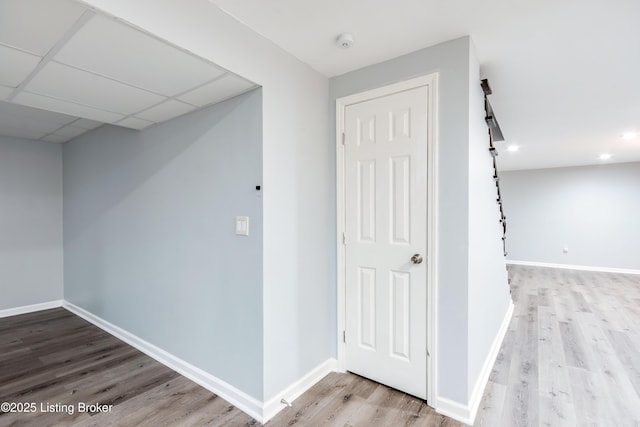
(575, 267)
(295, 390)
(485, 373)
(453, 409)
(30, 308)
(467, 413)
(261, 412)
(251, 406)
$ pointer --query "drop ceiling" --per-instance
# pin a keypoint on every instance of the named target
(67, 69)
(564, 73)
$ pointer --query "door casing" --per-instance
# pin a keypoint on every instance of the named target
(430, 80)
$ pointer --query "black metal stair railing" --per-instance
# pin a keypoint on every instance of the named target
(495, 134)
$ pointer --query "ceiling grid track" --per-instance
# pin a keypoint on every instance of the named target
(48, 57)
(70, 68)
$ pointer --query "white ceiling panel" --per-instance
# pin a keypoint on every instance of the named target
(5, 91)
(165, 111)
(21, 112)
(19, 122)
(134, 123)
(67, 68)
(62, 106)
(222, 88)
(86, 124)
(58, 139)
(70, 131)
(88, 89)
(563, 73)
(36, 25)
(19, 132)
(16, 66)
(116, 50)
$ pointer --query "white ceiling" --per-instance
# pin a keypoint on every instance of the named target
(67, 69)
(564, 73)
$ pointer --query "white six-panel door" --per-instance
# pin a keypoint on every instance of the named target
(385, 226)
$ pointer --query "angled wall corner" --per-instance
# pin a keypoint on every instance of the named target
(298, 266)
(149, 235)
(30, 222)
(489, 297)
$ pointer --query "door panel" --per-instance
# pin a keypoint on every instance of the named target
(385, 224)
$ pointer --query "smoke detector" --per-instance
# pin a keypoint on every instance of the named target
(345, 40)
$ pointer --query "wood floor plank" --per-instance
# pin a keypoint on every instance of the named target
(574, 345)
(491, 408)
(627, 353)
(556, 412)
(571, 356)
(553, 379)
(71, 361)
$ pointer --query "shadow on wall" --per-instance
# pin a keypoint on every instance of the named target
(128, 158)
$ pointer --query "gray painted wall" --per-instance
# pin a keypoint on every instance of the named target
(149, 235)
(298, 238)
(453, 63)
(489, 296)
(30, 222)
(592, 209)
(451, 60)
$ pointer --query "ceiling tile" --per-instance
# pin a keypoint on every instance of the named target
(5, 91)
(16, 66)
(21, 117)
(88, 89)
(218, 90)
(36, 25)
(55, 138)
(70, 131)
(87, 124)
(28, 124)
(19, 132)
(134, 123)
(113, 49)
(66, 107)
(165, 111)
(36, 114)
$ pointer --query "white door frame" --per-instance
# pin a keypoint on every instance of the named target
(431, 81)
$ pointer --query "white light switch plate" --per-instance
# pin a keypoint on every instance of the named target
(242, 225)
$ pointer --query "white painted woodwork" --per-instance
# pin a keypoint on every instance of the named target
(385, 224)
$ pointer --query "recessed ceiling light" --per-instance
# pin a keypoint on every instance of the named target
(629, 135)
(605, 156)
(512, 148)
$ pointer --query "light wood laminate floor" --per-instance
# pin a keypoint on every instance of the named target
(571, 357)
